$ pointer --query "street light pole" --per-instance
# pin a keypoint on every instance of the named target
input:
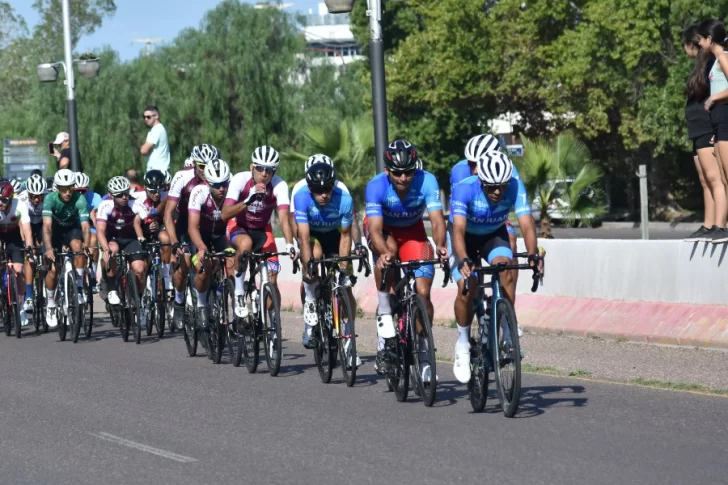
(379, 94)
(70, 96)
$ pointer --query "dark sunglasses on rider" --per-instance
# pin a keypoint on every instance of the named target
(155, 190)
(320, 189)
(5, 200)
(220, 185)
(399, 173)
(260, 169)
(121, 195)
(494, 187)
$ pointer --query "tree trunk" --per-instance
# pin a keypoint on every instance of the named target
(545, 229)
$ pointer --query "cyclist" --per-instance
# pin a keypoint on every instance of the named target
(115, 230)
(33, 196)
(177, 201)
(65, 223)
(14, 221)
(93, 200)
(324, 217)
(17, 187)
(395, 203)
(249, 206)
(480, 208)
(149, 208)
(207, 229)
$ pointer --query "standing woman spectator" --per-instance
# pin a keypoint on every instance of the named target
(700, 131)
(713, 40)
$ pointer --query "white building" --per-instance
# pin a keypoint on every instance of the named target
(331, 37)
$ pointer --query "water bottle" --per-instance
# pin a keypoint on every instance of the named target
(157, 259)
(219, 290)
(5, 279)
(254, 301)
(484, 322)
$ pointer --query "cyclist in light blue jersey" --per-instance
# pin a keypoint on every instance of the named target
(480, 208)
(324, 218)
(395, 203)
(93, 200)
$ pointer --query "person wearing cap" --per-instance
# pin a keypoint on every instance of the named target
(63, 157)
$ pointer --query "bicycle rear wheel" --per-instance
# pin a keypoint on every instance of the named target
(479, 366)
(190, 321)
(422, 348)
(229, 320)
(88, 321)
(132, 306)
(159, 308)
(215, 329)
(72, 307)
(15, 306)
(272, 335)
(6, 314)
(506, 355)
(148, 307)
(344, 313)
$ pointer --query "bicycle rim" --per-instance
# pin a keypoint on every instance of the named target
(88, 322)
(36, 301)
(478, 385)
(399, 368)
(347, 337)
(273, 339)
(189, 326)
(214, 325)
(507, 357)
(249, 341)
(14, 299)
(148, 309)
(71, 302)
(423, 350)
(229, 320)
(132, 303)
(159, 303)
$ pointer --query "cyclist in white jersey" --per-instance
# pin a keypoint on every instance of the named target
(33, 197)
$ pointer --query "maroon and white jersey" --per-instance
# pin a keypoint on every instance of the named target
(201, 201)
(119, 220)
(179, 191)
(257, 214)
(146, 209)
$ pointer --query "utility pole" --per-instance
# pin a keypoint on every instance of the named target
(644, 204)
(379, 94)
(70, 96)
(148, 42)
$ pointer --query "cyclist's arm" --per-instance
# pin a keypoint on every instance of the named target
(86, 232)
(92, 216)
(169, 222)
(193, 229)
(138, 226)
(355, 228)
(304, 243)
(345, 244)
(528, 229)
(437, 219)
(48, 232)
(27, 233)
(284, 216)
(458, 236)
(101, 235)
(376, 225)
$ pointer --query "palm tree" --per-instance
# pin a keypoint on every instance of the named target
(561, 181)
(350, 145)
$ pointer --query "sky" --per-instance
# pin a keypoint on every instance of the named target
(137, 19)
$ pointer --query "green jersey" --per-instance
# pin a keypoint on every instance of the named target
(66, 214)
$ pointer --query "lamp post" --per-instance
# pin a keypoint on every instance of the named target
(376, 63)
(48, 72)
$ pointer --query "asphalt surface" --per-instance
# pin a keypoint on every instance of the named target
(106, 412)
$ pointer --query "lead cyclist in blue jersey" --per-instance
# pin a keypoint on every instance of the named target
(479, 211)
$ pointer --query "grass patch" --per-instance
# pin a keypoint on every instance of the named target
(539, 369)
(452, 323)
(359, 313)
(678, 386)
(579, 373)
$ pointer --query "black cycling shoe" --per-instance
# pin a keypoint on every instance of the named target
(203, 316)
(179, 315)
(380, 365)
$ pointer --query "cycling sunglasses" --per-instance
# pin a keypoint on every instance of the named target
(260, 169)
(65, 190)
(220, 185)
(320, 190)
(155, 190)
(399, 173)
(494, 187)
(121, 195)
(5, 200)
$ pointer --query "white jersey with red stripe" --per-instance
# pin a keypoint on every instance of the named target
(16, 214)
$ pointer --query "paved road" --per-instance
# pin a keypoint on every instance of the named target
(105, 412)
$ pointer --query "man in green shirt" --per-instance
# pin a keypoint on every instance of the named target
(65, 223)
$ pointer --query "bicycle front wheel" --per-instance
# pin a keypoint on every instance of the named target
(72, 307)
(215, 329)
(506, 354)
(273, 338)
(190, 326)
(88, 321)
(422, 348)
(159, 309)
(479, 364)
(347, 336)
(132, 306)
(228, 318)
(15, 313)
(6, 314)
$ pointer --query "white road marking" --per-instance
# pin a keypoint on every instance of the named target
(142, 447)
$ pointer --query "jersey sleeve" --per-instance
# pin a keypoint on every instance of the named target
(95, 201)
(139, 208)
(460, 199)
(521, 205)
(197, 198)
(82, 207)
(22, 211)
(373, 196)
(280, 192)
(302, 201)
(515, 173)
(48, 206)
(431, 190)
(104, 210)
(346, 210)
(236, 187)
(178, 183)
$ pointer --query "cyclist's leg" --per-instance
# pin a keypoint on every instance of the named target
(28, 273)
(74, 240)
(309, 285)
(274, 266)
(94, 249)
(498, 250)
(166, 253)
(108, 263)
(413, 245)
(138, 262)
(17, 257)
(513, 241)
(50, 280)
(242, 242)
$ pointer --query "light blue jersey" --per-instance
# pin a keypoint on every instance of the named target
(336, 214)
(483, 216)
(383, 201)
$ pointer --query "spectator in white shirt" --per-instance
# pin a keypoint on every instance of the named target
(156, 147)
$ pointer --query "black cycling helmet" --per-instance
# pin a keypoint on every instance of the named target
(320, 177)
(400, 155)
(36, 171)
(155, 179)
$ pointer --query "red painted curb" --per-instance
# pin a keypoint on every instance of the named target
(650, 322)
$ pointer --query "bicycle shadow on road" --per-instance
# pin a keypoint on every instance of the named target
(535, 400)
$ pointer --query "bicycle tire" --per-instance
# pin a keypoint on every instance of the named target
(149, 308)
(6, 314)
(213, 333)
(189, 326)
(132, 306)
(72, 317)
(271, 328)
(15, 313)
(347, 333)
(480, 368)
(89, 319)
(509, 387)
(428, 391)
(159, 302)
(228, 317)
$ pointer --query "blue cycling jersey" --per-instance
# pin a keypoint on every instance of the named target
(383, 201)
(337, 213)
(93, 199)
(483, 216)
(462, 170)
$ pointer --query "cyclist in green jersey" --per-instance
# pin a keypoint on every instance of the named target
(65, 223)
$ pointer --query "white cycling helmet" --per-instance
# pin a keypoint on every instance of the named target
(477, 146)
(217, 172)
(318, 158)
(419, 165)
(205, 153)
(17, 185)
(118, 185)
(494, 168)
(167, 177)
(82, 180)
(189, 162)
(64, 178)
(265, 156)
(36, 185)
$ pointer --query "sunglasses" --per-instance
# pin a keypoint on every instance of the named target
(36, 196)
(220, 185)
(200, 165)
(148, 117)
(5, 200)
(320, 190)
(264, 169)
(494, 187)
(153, 191)
(65, 190)
(399, 173)
(122, 195)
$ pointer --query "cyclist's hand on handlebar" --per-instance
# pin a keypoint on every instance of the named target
(466, 268)
(291, 250)
(153, 226)
(535, 260)
(442, 254)
(201, 254)
(142, 240)
(385, 260)
(177, 250)
(50, 255)
(360, 250)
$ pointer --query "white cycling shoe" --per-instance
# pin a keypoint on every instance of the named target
(51, 318)
(461, 367)
(28, 305)
(113, 298)
(309, 314)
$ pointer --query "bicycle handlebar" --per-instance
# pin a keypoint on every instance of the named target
(362, 258)
(500, 267)
(261, 256)
(219, 255)
(414, 264)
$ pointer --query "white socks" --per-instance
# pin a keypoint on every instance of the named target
(463, 336)
(384, 306)
(240, 285)
(51, 297)
(201, 299)
(310, 290)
